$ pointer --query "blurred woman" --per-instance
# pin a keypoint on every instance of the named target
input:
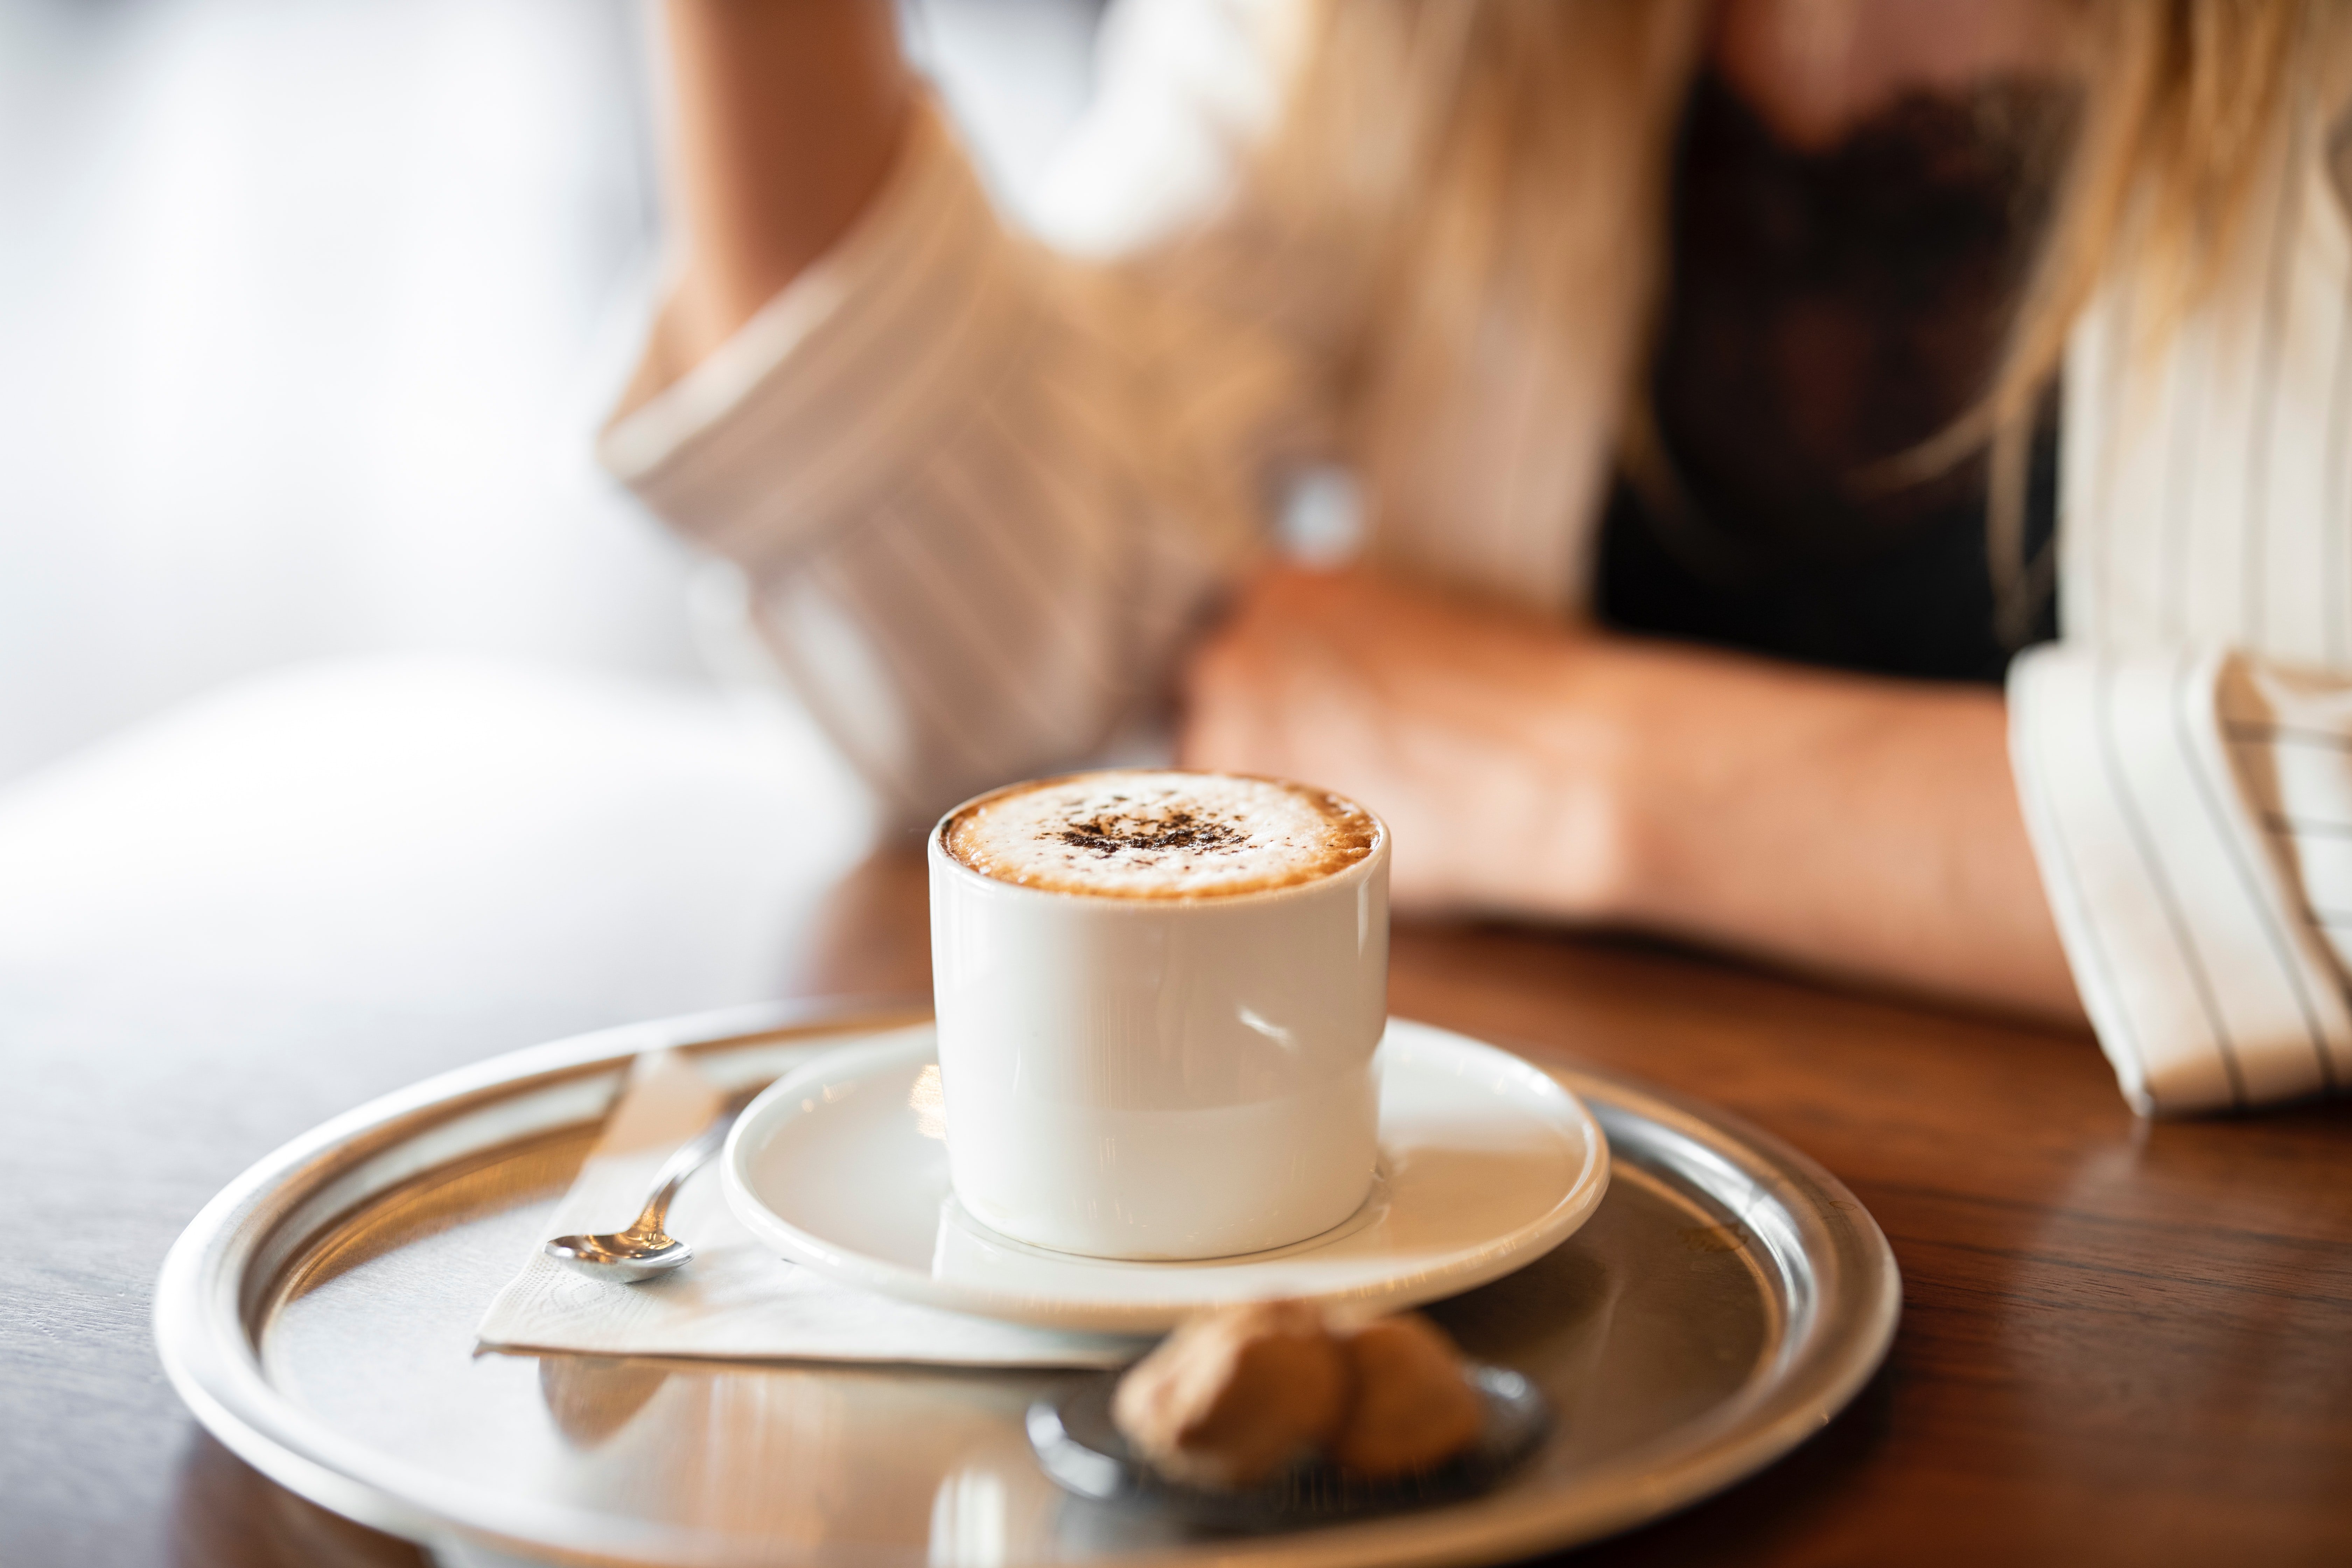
(1714, 379)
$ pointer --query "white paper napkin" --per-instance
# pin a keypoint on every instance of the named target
(735, 1299)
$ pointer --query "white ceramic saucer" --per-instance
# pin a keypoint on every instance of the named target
(1486, 1164)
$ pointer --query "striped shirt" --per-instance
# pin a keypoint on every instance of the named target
(984, 487)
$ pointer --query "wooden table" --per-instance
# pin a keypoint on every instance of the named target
(2121, 1342)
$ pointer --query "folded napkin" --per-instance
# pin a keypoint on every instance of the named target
(736, 1298)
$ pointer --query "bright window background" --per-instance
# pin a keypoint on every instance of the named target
(309, 309)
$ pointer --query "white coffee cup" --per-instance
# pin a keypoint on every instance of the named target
(1159, 1078)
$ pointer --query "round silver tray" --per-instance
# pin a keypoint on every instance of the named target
(1729, 1297)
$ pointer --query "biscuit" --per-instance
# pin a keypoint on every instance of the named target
(1410, 1408)
(1234, 1395)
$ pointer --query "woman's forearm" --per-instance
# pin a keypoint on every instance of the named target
(786, 115)
(1863, 826)
(1837, 822)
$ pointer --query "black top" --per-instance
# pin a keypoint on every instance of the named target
(1827, 310)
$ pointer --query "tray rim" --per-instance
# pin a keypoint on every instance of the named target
(208, 1290)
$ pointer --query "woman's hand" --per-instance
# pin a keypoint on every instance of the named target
(1843, 823)
(1469, 729)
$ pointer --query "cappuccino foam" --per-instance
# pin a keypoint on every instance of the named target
(1137, 834)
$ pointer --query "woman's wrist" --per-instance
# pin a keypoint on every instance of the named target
(1649, 762)
(1726, 794)
(1566, 825)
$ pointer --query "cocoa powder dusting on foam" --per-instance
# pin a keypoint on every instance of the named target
(1180, 828)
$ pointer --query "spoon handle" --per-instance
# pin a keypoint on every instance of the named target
(690, 1158)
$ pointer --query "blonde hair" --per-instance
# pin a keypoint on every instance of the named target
(1503, 162)
(2187, 106)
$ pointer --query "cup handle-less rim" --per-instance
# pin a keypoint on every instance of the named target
(940, 857)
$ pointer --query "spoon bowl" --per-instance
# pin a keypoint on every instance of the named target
(620, 1255)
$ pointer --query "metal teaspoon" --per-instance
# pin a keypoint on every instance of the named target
(645, 1251)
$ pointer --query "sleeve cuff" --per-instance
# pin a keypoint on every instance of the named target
(2184, 923)
(810, 412)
